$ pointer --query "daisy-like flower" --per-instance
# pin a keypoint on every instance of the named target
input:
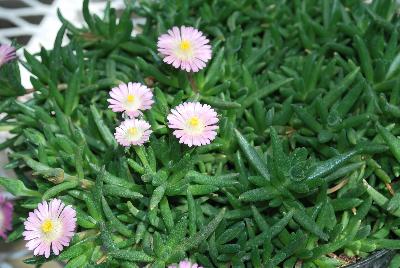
(131, 98)
(185, 264)
(50, 227)
(7, 53)
(186, 48)
(6, 211)
(132, 132)
(194, 123)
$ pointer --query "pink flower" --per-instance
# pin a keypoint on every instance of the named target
(186, 48)
(133, 132)
(7, 53)
(50, 226)
(185, 264)
(6, 211)
(194, 123)
(131, 98)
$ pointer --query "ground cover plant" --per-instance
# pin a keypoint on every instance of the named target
(277, 149)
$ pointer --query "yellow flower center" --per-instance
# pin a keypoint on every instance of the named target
(47, 226)
(185, 45)
(130, 98)
(194, 121)
(194, 125)
(132, 131)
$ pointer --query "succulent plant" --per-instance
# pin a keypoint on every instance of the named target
(304, 169)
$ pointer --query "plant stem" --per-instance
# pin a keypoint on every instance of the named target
(60, 87)
(192, 82)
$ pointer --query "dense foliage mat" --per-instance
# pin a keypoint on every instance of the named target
(305, 166)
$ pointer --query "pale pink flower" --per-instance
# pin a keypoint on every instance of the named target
(6, 211)
(186, 48)
(7, 53)
(50, 227)
(132, 132)
(131, 98)
(185, 264)
(194, 123)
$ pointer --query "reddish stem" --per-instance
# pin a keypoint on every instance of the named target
(192, 82)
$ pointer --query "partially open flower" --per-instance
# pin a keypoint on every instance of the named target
(194, 123)
(186, 48)
(6, 211)
(49, 227)
(7, 53)
(133, 132)
(185, 264)
(131, 98)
